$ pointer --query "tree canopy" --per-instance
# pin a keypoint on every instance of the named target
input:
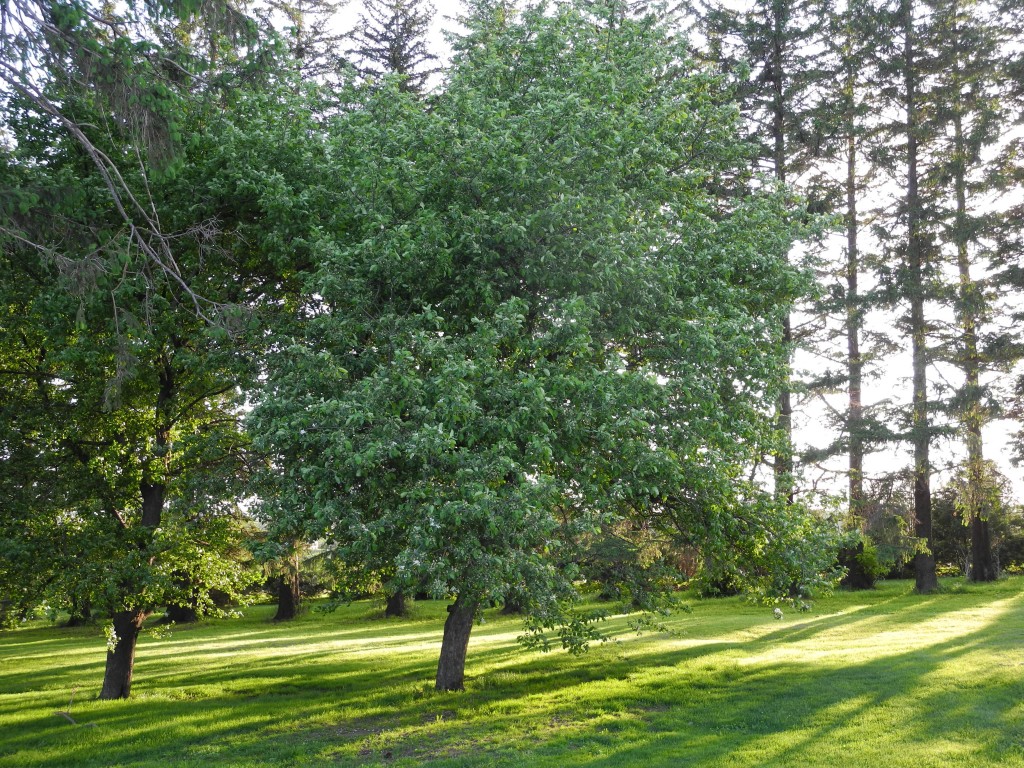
(550, 301)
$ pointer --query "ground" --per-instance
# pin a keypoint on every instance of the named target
(881, 678)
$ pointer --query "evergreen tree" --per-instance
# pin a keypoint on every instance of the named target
(849, 126)
(783, 42)
(971, 119)
(391, 39)
(133, 64)
(916, 254)
(311, 36)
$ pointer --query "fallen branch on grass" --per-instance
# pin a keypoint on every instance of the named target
(67, 714)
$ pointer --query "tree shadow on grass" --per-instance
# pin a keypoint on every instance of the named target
(780, 713)
(676, 701)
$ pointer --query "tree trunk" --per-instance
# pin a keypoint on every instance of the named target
(514, 605)
(396, 606)
(854, 361)
(926, 578)
(182, 614)
(80, 613)
(288, 598)
(924, 563)
(783, 460)
(983, 566)
(451, 666)
(973, 417)
(117, 678)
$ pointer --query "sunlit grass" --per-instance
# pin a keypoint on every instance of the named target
(885, 678)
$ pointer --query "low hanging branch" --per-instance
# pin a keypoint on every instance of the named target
(19, 71)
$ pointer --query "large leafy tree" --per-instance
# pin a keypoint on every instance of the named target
(121, 402)
(549, 302)
(121, 420)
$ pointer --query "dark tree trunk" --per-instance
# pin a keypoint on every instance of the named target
(396, 606)
(926, 578)
(288, 598)
(924, 564)
(856, 577)
(971, 303)
(854, 361)
(983, 566)
(182, 614)
(117, 679)
(513, 606)
(451, 666)
(783, 460)
(80, 613)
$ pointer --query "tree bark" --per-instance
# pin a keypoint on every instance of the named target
(926, 579)
(396, 606)
(451, 666)
(117, 679)
(854, 361)
(783, 461)
(288, 597)
(514, 606)
(982, 565)
(182, 614)
(80, 613)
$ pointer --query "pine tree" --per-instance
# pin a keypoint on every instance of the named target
(120, 58)
(915, 254)
(391, 40)
(783, 42)
(849, 129)
(971, 116)
(311, 35)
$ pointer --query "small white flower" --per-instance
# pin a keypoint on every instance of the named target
(112, 638)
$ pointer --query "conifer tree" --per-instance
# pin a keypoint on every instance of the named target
(915, 251)
(783, 44)
(971, 112)
(846, 115)
(391, 39)
(310, 32)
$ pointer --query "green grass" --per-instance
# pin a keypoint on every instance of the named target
(886, 678)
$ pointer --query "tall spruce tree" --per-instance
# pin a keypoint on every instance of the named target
(849, 126)
(916, 254)
(973, 108)
(783, 42)
(391, 39)
(310, 31)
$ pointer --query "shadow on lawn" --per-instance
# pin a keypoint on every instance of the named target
(710, 702)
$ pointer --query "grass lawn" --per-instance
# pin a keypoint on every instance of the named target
(885, 678)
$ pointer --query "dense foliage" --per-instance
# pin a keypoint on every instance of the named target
(550, 303)
(497, 340)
